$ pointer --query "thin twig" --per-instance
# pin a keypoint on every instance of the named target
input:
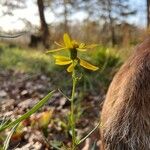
(64, 95)
(13, 36)
(83, 139)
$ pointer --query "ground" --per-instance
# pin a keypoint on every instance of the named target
(21, 91)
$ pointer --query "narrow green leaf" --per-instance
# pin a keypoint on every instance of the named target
(6, 143)
(29, 113)
(64, 95)
(13, 36)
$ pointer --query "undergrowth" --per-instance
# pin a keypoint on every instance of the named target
(35, 61)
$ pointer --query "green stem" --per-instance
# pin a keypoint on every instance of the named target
(6, 142)
(72, 117)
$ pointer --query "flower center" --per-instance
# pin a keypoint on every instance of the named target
(73, 53)
(75, 44)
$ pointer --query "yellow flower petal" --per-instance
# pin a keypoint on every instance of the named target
(70, 68)
(67, 41)
(81, 49)
(44, 118)
(61, 58)
(56, 50)
(75, 44)
(82, 45)
(58, 62)
(87, 65)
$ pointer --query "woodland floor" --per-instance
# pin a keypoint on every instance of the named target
(19, 92)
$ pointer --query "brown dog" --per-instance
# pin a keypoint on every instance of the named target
(125, 118)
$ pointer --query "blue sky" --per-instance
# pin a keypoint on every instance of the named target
(8, 23)
(140, 18)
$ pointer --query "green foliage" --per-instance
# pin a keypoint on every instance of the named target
(33, 61)
(108, 60)
(25, 60)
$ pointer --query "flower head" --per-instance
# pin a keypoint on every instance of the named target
(73, 46)
(62, 60)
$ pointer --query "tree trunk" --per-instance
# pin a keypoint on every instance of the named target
(112, 29)
(66, 29)
(148, 13)
(111, 22)
(44, 27)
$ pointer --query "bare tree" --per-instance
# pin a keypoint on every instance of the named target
(44, 27)
(19, 4)
(114, 11)
(107, 12)
(148, 13)
(65, 13)
(67, 7)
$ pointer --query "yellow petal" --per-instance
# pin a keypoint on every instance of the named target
(74, 44)
(82, 45)
(44, 118)
(61, 58)
(87, 65)
(70, 68)
(67, 41)
(58, 62)
(56, 50)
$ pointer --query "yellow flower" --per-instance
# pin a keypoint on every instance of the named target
(73, 60)
(71, 44)
(62, 60)
(44, 118)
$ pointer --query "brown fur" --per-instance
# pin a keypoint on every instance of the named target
(125, 116)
